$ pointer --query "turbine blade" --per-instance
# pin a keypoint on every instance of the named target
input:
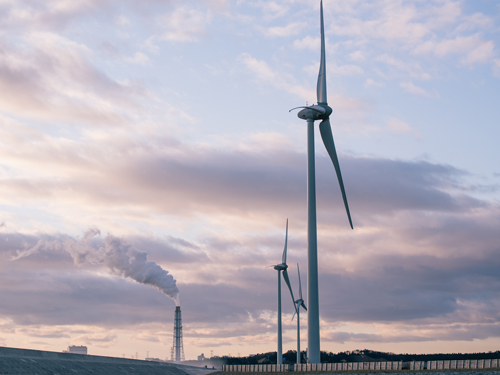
(326, 133)
(321, 87)
(287, 280)
(295, 313)
(300, 284)
(286, 240)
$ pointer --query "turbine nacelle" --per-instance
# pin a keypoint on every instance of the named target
(281, 267)
(314, 112)
(300, 302)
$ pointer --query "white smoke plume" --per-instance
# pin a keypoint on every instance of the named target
(118, 256)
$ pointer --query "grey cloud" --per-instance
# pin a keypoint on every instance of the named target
(91, 339)
(457, 283)
(167, 176)
(449, 333)
(410, 288)
(122, 259)
(365, 299)
(46, 16)
(42, 281)
(57, 334)
(212, 180)
(384, 185)
(114, 253)
(44, 76)
(148, 338)
(10, 242)
(222, 180)
(225, 303)
(411, 291)
(79, 298)
(43, 15)
(170, 249)
(42, 343)
(24, 249)
(224, 333)
(75, 296)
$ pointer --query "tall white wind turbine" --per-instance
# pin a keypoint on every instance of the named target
(321, 111)
(298, 304)
(282, 267)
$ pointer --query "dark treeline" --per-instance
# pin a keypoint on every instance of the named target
(357, 356)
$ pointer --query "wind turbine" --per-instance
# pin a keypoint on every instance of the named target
(298, 303)
(282, 268)
(321, 111)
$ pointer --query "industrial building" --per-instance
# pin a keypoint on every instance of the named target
(76, 349)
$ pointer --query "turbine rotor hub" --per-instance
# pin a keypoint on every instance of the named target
(281, 267)
(315, 112)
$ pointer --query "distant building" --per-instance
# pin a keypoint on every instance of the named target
(201, 357)
(76, 349)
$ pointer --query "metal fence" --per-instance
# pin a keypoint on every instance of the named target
(471, 364)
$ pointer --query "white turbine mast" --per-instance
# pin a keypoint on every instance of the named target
(282, 267)
(320, 111)
(298, 304)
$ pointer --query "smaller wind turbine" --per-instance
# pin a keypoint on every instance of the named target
(299, 303)
(282, 268)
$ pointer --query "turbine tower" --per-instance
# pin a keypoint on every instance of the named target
(321, 111)
(282, 267)
(298, 304)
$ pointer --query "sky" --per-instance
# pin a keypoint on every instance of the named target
(143, 142)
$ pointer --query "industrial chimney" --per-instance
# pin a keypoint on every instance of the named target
(177, 347)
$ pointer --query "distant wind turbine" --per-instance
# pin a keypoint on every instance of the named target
(321, 111)
(299, 303)
(282, 268)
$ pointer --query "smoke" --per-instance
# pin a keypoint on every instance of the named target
(115, 254)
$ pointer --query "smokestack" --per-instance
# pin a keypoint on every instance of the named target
(178, 347)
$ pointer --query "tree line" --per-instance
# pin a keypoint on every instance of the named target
(364, 355)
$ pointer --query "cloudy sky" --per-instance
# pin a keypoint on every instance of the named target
(160, 129)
